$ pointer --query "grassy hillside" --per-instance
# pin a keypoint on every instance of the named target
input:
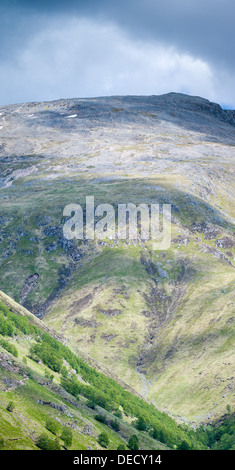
(48, 391)
(26, 381)
(123, 324)
(161, 323)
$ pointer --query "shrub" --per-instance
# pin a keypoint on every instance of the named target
(64, 372)
(10, 406)
(48, 356)
(101, 400)
(67, 436)
(183, 446)
(101, 418)
(155, 434)
(71, 385)
(121, 447)
(6, 327)
(141, 424)
(133, 442)
(9, 347)
(91, 404)
(115, 425)
(52, 425)
(49, 376)
(45, 443)
(103, 439)
(162, 436)
(56, 444)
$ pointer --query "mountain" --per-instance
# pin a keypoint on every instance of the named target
(159, 322)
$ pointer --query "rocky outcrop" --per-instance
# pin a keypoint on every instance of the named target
(29, 285)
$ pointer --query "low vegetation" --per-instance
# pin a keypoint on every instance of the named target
(105, 402)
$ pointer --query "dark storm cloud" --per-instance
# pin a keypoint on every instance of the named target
(205, 28)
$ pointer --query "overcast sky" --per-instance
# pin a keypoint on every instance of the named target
(51, 49)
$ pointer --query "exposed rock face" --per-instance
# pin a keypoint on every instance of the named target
(30, 283)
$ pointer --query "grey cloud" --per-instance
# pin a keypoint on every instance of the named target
(205, 28)
(194, 34)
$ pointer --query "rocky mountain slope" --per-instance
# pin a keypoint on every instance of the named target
(160, 321)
